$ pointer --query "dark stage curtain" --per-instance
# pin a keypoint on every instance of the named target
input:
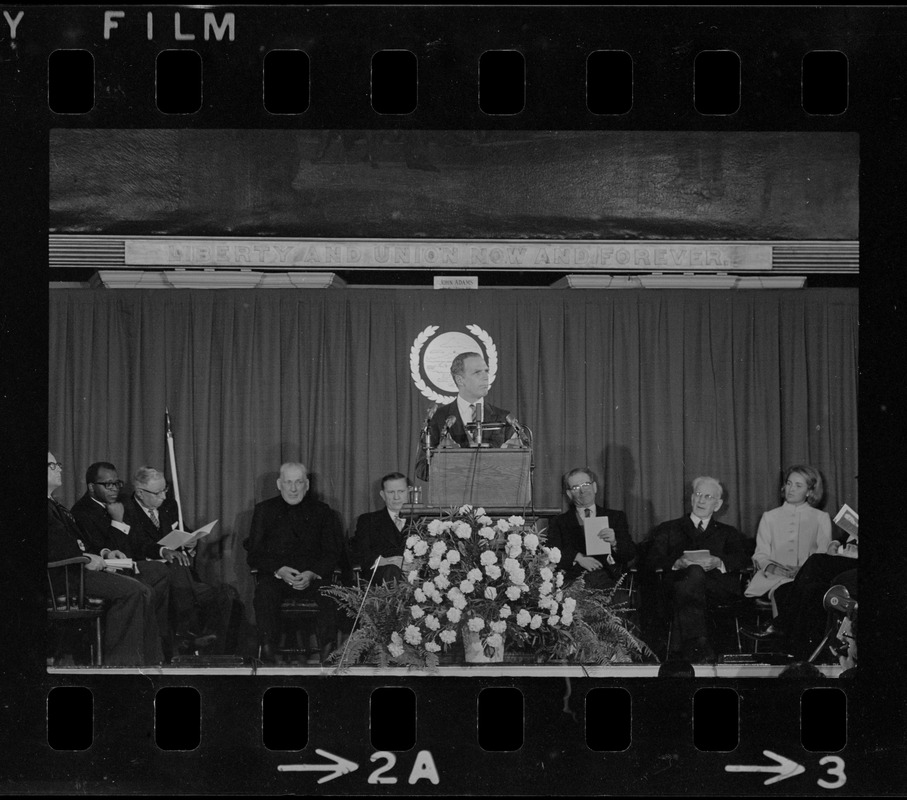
(650, 388)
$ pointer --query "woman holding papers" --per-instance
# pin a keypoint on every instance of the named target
(789, 534)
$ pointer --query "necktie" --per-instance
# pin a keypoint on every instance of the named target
(472, 410)
(588, 512)
(399, 522)
(700, 527)
(152, 512)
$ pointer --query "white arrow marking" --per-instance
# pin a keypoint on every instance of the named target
(784, 767)
(340, 767)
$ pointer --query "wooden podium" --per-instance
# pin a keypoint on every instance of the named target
(480, 476)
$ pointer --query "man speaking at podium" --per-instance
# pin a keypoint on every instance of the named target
(450, 422)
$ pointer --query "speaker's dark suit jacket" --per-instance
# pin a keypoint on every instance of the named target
(670, 539)
(376, 535)
(567, 534)
(457, 430)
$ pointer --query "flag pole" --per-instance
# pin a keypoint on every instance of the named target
(176, 482)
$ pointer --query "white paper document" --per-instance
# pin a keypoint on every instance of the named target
(592, 527)
(177, 538)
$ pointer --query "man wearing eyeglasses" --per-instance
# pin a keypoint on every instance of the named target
(131, 636)
(100, 514)
(696, 581)
(567, 533)
(202, 612)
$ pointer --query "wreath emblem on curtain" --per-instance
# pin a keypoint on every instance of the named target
(432, 353)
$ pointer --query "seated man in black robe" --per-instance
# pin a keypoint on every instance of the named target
(294, 544)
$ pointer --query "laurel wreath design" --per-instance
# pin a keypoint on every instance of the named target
(490, 349)
(416, 351)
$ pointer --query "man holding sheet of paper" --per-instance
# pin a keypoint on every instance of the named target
(697, 553)
(594, 541)
(201, 612)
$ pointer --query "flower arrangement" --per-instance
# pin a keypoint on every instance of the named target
(484, 583)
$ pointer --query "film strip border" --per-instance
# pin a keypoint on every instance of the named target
(509, 735)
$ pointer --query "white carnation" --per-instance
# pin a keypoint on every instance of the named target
(420, 548)
(516, 520)
(453, 615)
(493, 572)
(480, 512)
(435, 527)
(476, 624)
(523, 618)
(546, 574)
(531, 542)
(463, 530)
(431, 622)
(567, 618)
(553, 620)
(490, 593)
(442, 581)
(554, 555)
(546, 587)
(475, 575)
(464, 509)
(513, 593)
(412, 634)
(466, 587)
(420, 596)
(505, 611)
(510, 564)
(486, 532)
(488, 557)
(434, 563)
(432, 647)
(453, 556)
(396, 650)
(438, 548)
(411, 540)
(495, 640)
(408, 556)
(503, 526)
(570, 604)
(484, 520)
(536, 622)
(498, 627)
(416, 611)
(448, 636)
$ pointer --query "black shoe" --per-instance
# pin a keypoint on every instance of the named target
(765, 632)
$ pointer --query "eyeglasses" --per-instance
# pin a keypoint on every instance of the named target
(161, 493)
(110, 484)
(706, 497)
(55, 465)
(579, 486)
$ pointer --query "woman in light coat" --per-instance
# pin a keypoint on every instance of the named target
(789, 534)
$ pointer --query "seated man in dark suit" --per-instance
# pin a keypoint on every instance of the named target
(99, 513)
(567, 533)
(379, 534)
(130, 629)
(470, 374)
(294, 543)
(695, 584)
(201, 612)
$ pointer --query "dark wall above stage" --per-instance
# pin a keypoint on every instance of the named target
(456, 184)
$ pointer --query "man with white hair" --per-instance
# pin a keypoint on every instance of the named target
(295, 543)
(697, 553)
(202, 612)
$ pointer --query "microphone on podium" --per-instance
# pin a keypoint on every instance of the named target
(519, 431)
(446, 440)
